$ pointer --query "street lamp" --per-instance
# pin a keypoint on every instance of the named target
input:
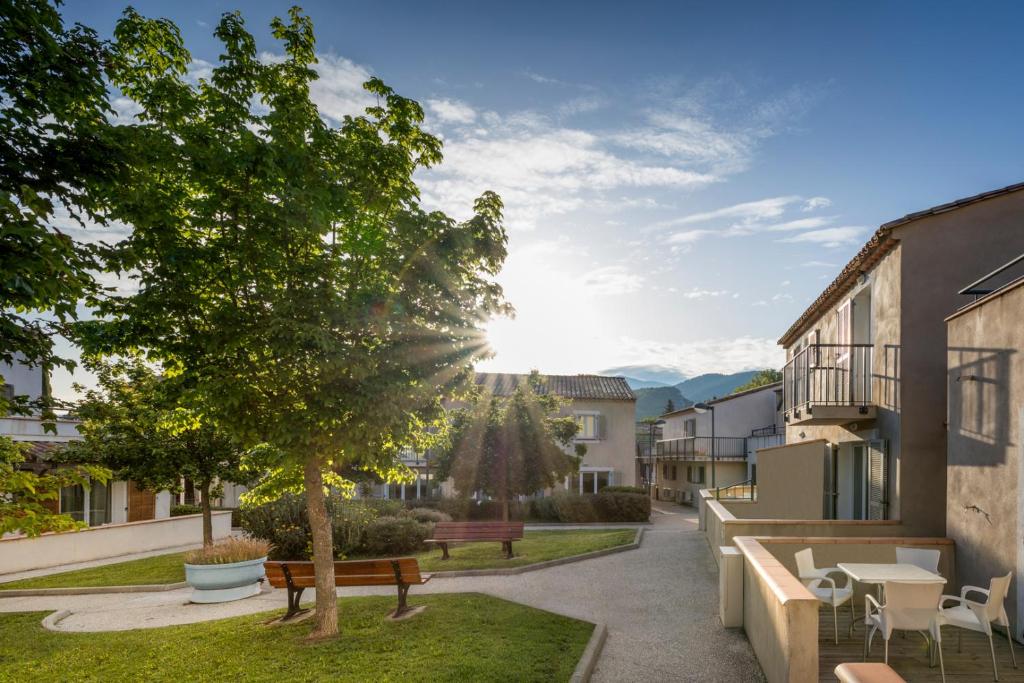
(651, 455)
(703, 408)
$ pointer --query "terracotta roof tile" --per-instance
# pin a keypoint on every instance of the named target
(566, 386)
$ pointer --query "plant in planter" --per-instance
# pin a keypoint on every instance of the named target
(228, 570)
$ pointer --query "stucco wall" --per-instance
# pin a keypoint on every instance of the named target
(726, 473)
(617, 446)
(985, 466)
(101, 542)
(790, 483)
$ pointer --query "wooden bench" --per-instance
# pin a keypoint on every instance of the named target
(299, 575)
(469, 532)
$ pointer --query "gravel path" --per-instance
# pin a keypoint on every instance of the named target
(660, 603)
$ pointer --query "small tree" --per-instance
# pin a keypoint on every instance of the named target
(510, 446)
(27, 498)
(287, 272)
(135, 424)
(670, 406)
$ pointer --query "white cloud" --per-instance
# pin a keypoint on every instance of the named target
(697, 293)
(687, 236)
(801, 224)
(338, 92)
(580, 105)
(815, 203)
(759, 210)
(818, 264)
(613, 280)
(829, 237)
(451, 111)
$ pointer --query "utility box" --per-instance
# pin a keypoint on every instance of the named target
(730, 587)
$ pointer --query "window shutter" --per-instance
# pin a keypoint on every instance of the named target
(830, 484)
(878, 480)
(601, 427)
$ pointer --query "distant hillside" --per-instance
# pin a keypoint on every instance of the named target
(651, 402)
(712, 385)
(652, 375)
(635, 383)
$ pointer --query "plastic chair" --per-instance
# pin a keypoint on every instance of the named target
(979, 616)
(831, 595)
(908, 607)
(919, 557)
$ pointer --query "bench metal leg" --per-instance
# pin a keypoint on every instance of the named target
(506, 546)
(444, 551)
(294, 596)
(403, 607)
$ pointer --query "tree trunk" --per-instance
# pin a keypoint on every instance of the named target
(326, 624)
(207, 513)
(505, 510)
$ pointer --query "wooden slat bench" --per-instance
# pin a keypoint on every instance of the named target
(468, 532)
(297, 576)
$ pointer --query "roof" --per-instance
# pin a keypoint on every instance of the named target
(879, 244)
(774, 386)
(566, 386)
(38, 454)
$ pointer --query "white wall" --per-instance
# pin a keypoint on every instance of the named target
(112, 540)
(28, 428)
(26, 381)
(734, 416)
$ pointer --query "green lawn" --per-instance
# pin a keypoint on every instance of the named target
(536, 546)
(149, 570)
(464, 637)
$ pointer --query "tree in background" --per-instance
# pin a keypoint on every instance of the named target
(56, 150)
(27, 499)
(286, 272)
(762, 378)
(670, 406)
(510, 446)
(136, 424)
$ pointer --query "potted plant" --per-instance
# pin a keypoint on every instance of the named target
(228, 570)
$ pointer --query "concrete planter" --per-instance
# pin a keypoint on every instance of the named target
(224, 582)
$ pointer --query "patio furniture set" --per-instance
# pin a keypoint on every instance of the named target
(908, 597)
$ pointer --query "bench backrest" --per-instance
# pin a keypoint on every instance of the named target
(389, 572)
(484, 531)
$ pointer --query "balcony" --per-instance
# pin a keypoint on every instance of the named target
(829, 384)
(726, 448)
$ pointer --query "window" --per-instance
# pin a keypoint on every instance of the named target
(674, 471)
(592, 480)
(90, 505)
(695, 475)
(690, 427)
(689, 473)
(589, 426)
(664, 471)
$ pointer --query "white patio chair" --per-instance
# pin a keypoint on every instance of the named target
(919, 557)
(908, 607)
(979, 616)
(813, 578)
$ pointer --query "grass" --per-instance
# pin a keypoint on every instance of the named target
(536, 546)
(149, 570)
(459, 637)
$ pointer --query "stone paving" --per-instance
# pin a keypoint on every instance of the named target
(660, 603)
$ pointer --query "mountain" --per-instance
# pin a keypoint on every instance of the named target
(713, 385)
(651, 402)
(647, 375)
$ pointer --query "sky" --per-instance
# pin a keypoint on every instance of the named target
(680, 179)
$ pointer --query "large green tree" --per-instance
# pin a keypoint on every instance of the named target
(762, 378)
(135, 423)
(56, 151)
(509, 446)
(286, 271)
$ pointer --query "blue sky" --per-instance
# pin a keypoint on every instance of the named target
(680, 179)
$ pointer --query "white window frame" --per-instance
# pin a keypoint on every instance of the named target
(580, 415)
(844, 329)
(577, 481)
(687, 424)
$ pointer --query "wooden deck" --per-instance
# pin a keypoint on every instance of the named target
(909, 655)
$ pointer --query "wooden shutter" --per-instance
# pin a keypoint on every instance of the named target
(601, 427)
(829, 511)
(141, 503)
(878, 480)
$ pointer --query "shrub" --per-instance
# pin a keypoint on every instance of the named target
(228, 551)
(624, 489)
(394, 536)
(426, 515)
(185, 509)
(284, 524)
(574, 508)
(543, 509)
(383, 507)
(622, 507)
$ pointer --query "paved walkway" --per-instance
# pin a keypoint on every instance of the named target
(660, 603)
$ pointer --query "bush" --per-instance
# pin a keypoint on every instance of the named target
(573, 508)
(543, 510)
(394, 536)
(622, 507)
(284, 524)
(185, 509)
(426, 515)
(624, 489)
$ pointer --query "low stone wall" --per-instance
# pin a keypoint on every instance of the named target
(102, 542)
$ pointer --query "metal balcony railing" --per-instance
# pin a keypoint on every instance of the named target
(828, 374)
(701, 447)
